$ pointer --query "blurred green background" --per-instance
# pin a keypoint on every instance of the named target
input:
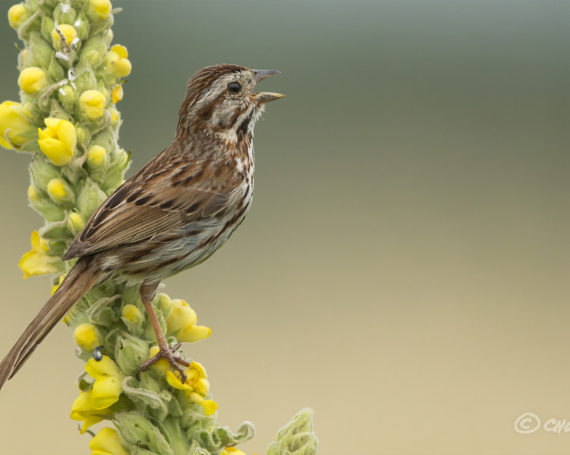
(404, 269)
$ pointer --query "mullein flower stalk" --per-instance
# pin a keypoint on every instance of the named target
(71, 77)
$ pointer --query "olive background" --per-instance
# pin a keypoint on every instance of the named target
(404, 268)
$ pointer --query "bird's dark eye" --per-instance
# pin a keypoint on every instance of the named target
(234, 87)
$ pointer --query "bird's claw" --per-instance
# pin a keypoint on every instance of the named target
(168, 354)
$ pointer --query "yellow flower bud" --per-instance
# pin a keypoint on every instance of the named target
(117, 93)
(107, 442)
(132, 313)
(68, 32)
(232, 451)
(100, 8)
(14, 124)
(57, 190)
(87, 337)
(32, 79)
(96, 156)
(33, 194)
(118, 62)
(181, 316)
(17, 15)
(115, 116)
(58, 140)
(92, 103)
(194, 333)
(75, 222)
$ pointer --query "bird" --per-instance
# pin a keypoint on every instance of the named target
(172, 214)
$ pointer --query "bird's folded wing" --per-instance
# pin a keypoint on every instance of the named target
(138, 211)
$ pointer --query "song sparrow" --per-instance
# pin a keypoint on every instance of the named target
(172, 214)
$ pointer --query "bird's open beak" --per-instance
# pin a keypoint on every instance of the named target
(265, 97)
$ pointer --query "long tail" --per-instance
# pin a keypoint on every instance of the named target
(80, 279)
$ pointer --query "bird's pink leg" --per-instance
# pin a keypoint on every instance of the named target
(147, 292)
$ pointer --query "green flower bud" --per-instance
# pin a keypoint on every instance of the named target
(297, 437)
(55, 70)
(82, 26)
(67, 96)
(42, 171)
(55, 231)
(50, 211)
(64, 13)
(86, 79)
(130, 353)
(141, 434)
(90, 198)
(40, 52)
(94, 50)
(119, 164)
(46, 28)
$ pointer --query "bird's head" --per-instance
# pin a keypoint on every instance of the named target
(221, 100)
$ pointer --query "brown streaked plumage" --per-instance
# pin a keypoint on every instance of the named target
(172, 214)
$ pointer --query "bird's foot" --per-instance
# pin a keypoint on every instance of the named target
(169, 354)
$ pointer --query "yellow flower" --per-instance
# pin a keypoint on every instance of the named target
(84, 411)
(58, 140)
(117, 93)
(87, 337)
(108, 381)
(107, 442)
(32, 79)
(92, 103)
(17, 14)
(68, 32)
(14, 124)
(232, 451)
(181, 315)
(133, 314)
(100, 8)
(37, 261)
(117, 61)
(195, 388)
(92, 406)
(182, 320)
(96, 155)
